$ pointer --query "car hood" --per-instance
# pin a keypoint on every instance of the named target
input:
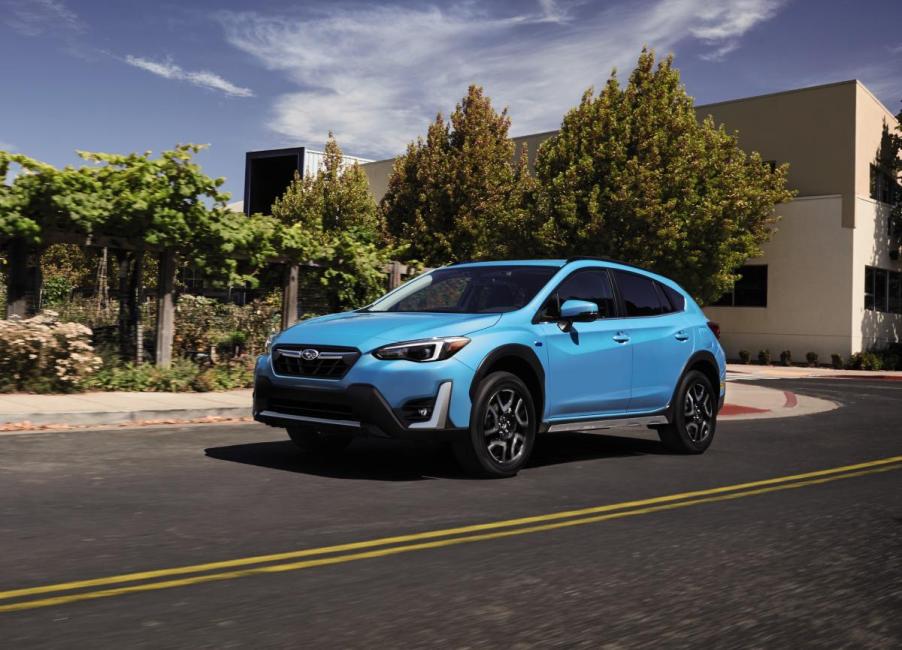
(369, 330)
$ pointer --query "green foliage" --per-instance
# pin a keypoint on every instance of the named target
(332, 220)
(811, 358)
(888, 158)
(786, 358)
(458, 194)
(182, 376)
(204, 325)
(865, 361)
(836, 361)
(745, 356)
(764, 357)
(634, 175)
(158, 203)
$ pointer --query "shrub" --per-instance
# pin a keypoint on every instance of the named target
(786, 358)
(182, 376)
(836, 360)
(764, 357)
(43, 355)
(811, 358)
(745, 356)
(870, 361)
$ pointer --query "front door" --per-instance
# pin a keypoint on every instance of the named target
(590, 364)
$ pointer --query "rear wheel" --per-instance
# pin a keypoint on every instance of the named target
(312, 441)
(502, 428)
(693, 417)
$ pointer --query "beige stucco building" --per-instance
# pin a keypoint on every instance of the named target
(826, 282)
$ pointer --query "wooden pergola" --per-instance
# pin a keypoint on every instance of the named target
(21, 283)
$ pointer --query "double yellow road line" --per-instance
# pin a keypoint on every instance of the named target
(118, 585)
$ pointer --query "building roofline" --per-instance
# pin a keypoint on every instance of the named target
(791, 91)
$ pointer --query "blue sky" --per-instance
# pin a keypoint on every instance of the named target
(132, 76)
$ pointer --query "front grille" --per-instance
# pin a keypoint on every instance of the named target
(331, 362)
(334, 409)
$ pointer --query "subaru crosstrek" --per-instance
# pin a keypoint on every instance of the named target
(488, 355)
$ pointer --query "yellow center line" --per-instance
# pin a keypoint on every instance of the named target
(627, 509)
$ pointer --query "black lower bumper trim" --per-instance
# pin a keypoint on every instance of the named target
(359, 410)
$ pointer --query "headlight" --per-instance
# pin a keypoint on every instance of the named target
(268, 345)
(423, 350)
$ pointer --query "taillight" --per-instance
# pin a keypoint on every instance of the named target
(714, 327)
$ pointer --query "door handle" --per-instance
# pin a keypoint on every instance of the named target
(620, 337)
(681, 336)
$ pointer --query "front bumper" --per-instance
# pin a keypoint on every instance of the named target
(357, 409)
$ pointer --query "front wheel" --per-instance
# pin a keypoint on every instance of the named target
(502, 428)
(311, 441)
(693, 417)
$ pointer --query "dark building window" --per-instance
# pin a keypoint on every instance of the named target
(869, 287)
(750, 289)
(882, 290)
(267, 175)
(884, 187)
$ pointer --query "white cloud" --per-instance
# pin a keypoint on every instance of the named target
(376, 75)
(721, 25)
(204, 79)
(35, 17)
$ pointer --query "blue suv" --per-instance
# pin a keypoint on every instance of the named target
(488, 355)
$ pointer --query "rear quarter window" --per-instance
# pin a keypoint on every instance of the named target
(640, 298)
(676, 300)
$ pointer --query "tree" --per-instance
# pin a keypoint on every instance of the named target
(457, 193)
(163, 204)
(888, 159)
(634, 175)
(331, 219)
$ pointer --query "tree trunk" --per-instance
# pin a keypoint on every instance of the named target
(290, 295)
(165, 309)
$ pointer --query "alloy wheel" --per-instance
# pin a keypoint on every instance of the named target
(698, 412)
(505, 425)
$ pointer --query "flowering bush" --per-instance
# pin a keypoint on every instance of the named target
(43, 355)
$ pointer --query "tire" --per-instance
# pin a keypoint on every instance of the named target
(693, 418)
(503, 428)
(312, 441)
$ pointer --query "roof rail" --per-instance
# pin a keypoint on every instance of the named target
(579, 258)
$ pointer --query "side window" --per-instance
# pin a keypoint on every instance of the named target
(593, 285)
(672, 298)
(640, 298)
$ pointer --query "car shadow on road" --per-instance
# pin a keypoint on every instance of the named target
(389, 460)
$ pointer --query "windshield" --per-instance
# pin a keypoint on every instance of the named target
(468, 290)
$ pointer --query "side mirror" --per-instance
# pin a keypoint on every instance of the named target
(579, 311)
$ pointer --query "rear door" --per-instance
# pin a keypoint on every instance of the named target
(590, 364)
(661, 341)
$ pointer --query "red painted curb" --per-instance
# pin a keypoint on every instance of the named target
(738, 409)
(791, 400)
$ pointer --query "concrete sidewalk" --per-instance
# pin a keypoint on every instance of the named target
(753, 371)
(121, 407)
(22, 411)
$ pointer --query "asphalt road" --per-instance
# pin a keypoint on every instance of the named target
(814, 560)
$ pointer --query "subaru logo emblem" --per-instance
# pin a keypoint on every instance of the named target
(309, 354)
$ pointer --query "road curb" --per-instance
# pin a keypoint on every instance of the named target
(122, 417)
